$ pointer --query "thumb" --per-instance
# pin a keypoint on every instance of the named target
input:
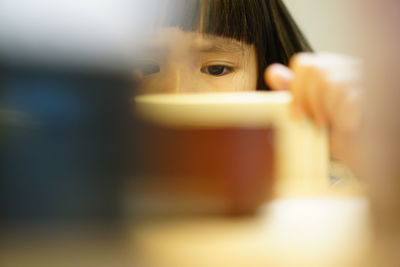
(278, 77)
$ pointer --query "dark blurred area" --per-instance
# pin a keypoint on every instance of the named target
(66, 106)
(65, 135)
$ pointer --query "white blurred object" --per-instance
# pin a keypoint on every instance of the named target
(73, 29)
(329, 231)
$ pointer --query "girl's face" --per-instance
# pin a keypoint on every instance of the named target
(176, 62)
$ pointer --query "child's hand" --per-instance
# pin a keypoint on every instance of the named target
(327, 88)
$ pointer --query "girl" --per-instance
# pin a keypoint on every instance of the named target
(239, 45)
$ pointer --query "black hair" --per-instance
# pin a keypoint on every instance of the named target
(266, 24)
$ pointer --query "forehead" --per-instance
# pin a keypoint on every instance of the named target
(175, 37)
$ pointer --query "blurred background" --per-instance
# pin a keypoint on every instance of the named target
(338, 23)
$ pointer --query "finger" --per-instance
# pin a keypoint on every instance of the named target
(316, 90)
(278, 77)
(345, 108)
(300, 64)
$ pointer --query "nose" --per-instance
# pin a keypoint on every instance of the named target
(176, 80)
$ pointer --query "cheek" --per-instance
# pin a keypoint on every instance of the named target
(247, 81)
(239, 81)
(150, 86)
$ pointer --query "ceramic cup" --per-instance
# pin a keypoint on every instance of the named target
(223, 152)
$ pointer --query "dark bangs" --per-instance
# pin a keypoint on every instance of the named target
(266, 24)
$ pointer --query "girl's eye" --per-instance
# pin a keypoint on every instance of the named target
(216, 70)
(148, 69)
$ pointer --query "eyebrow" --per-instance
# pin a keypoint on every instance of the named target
(222, 47)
